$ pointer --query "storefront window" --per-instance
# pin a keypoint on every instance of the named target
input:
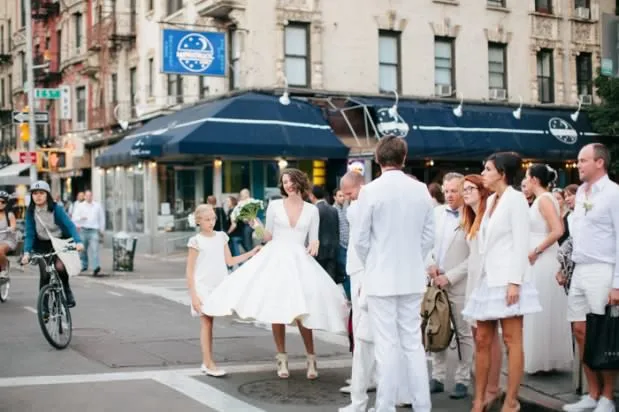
(208, 180)
(185, 201)
(113, 201)
(134, 195)
(236, 176)
(117, 207)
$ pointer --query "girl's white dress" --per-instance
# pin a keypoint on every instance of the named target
(283, 283)
(547, 335)
(210, 268)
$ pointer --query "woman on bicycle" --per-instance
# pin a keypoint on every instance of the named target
(44, 217)
(7, 231)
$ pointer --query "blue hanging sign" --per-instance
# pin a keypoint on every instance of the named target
(192, 52)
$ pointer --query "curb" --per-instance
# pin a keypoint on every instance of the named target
(534, 401)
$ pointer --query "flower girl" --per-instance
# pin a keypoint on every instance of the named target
(207, 265)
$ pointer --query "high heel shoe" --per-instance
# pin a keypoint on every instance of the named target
(282, 365)
(312, 372)
(491, 402)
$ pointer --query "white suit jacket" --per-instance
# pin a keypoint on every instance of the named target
(353, 263)
(455, 262)
(394, 235)
(504, 243)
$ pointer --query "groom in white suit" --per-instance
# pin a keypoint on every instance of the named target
(395, 232)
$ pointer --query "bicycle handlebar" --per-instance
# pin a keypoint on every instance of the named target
(35, 257)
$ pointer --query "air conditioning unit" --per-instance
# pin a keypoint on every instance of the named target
(443, 90)
(586, 99)
(498, 94)
(582, 13)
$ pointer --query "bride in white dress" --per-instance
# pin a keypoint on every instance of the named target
(283, 284)
(547, 335)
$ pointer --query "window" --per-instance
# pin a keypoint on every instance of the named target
(134, 195)
(174, 5)
(60, 48)
(10, 87)
(22, 15)
(2, 39)
(175, 88)
(235, 176)
(545, 76)
(584, 74)
(235, 54)
(204, 89)
(22, 59)
(79, 31)
(114, 87)
(582, 3)
(111, 202)
(296, 54)
(151, 76)
(496, 3)
(9, 31)
(543, 6)
(132, 16)
(132, 85)
(151, 5)
(388, 61)
(80, 103)
(497, 69)
(444, 67)
(2, 93)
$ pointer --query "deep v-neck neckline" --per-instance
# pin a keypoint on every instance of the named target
(288, 215)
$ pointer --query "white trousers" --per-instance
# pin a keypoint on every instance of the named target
(439, 359)
(396, 325)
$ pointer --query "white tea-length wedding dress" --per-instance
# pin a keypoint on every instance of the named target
(283, 283)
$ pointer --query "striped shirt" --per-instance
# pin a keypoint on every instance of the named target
(344, 226)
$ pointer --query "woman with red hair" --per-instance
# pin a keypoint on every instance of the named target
(475, 195)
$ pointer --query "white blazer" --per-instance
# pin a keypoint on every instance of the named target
(504, 242)
(394, 234)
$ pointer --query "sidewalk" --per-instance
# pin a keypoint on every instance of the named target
(538, 393)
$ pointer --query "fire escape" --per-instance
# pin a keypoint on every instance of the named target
(44, 11)
(113, 31)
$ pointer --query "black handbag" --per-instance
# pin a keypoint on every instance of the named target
(602, 340)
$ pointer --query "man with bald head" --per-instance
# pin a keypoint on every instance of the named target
(595, 281)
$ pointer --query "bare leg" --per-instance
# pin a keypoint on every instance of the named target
(579, 329)
(308, 338)
(512, 337)
(206, 341)
(279, 336)
(483, 344)
(496, 361)
(4, 250)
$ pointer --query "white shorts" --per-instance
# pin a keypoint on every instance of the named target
(591, 284)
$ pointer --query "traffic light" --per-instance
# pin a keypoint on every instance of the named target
(24, 132)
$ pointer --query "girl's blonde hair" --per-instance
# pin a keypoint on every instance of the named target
(202, 209)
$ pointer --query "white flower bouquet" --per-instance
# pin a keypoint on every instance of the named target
(248, 212)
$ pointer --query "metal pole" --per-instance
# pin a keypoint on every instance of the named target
(30, 83)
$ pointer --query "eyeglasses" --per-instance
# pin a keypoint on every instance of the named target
(469, 189)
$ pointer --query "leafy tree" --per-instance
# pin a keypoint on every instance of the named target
(604, 117)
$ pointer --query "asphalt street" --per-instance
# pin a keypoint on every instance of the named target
(135, 347)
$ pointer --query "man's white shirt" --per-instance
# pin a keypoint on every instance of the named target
(89, 216)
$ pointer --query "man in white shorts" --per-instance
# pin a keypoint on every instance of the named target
(595, 281)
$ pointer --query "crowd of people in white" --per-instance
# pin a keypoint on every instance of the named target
(496, 256)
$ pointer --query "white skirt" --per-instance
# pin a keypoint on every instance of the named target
(489, 303)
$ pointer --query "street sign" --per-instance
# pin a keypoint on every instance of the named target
(50, 94)
(39, 117)
(28, 157)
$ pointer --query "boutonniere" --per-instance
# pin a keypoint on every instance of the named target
(587, 204)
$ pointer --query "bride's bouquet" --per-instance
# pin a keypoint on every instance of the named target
(248, 212)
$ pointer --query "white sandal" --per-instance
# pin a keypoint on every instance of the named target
(312, 373)
(282, 365)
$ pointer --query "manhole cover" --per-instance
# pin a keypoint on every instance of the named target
(294, 391)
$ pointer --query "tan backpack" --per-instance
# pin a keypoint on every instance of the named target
(437, 323)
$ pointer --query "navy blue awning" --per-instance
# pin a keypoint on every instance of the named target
(434, 130)
(127, 150)
(249, 124)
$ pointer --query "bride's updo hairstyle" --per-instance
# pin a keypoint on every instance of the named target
(545, 175)
(298, 178)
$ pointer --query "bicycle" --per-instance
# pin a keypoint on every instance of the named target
(5, 279)
(52, 309)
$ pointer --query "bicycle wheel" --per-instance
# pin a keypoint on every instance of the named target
(5, 284)
(54, 316)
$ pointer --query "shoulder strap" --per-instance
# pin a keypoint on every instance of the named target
(455, 328)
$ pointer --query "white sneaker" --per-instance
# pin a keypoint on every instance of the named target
(605, 405)
(586, 403)
(216, 373)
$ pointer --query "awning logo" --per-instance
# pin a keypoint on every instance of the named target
(390, 124)
(562, 130)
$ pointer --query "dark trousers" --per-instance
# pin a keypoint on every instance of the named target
(45, 246)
